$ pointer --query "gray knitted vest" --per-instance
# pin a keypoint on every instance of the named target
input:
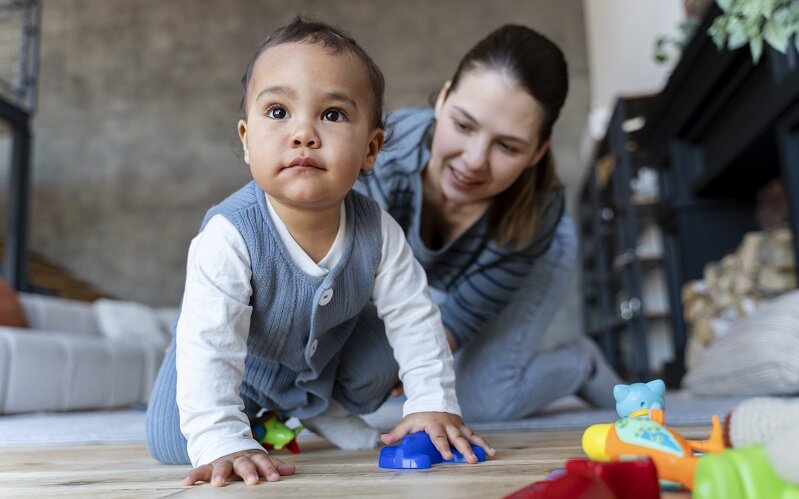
(299, 322)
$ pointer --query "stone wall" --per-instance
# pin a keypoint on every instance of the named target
(135, 137)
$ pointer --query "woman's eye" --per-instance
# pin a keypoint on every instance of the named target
(276, 112)
(463, 127)
(333, 115)
(508, 148)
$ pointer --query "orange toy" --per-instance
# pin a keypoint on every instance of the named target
(639, 435)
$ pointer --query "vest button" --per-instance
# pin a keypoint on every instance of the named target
(327, 295)
(314, 344)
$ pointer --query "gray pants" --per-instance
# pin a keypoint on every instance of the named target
(502, 375)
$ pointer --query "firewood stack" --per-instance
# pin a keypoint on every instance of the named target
(762, 267)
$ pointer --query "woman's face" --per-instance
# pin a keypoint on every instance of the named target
(486, 136)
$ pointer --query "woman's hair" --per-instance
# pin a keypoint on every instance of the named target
(538, 66)
(302, 30)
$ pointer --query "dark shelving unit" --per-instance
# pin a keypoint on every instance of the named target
(17, 104)
(720, 130)
(611, 221)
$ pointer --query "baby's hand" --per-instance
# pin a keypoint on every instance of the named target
(248, 465)
(443, 428)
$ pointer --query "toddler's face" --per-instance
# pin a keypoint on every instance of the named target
(308, 131)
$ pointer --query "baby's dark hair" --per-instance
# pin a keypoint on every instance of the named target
(302, 30)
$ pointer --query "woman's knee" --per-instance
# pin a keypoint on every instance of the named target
(367, 369)
(487, 409)
(364, 388)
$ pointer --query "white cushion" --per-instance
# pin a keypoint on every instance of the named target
(54, 371)
(758, 356)
(80, 355)
(131, 322)
(50, 313)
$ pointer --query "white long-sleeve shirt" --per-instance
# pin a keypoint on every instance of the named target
(215, 322)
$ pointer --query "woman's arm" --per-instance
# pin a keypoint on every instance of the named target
(493, 277)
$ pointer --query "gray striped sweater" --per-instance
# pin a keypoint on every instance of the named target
(478, 276)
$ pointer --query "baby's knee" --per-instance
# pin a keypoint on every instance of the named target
(165, 442)
(168, 456)
(166, 448)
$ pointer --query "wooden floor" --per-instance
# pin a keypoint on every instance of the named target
(124, 471)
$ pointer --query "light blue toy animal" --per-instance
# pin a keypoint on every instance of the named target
(637, 396)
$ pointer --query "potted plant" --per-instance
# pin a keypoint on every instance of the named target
(754, 22)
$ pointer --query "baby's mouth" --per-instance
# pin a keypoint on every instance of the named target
(304, 162)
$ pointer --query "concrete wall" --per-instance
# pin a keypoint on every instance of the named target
(621, 35)
(138, 101)
(621, 38)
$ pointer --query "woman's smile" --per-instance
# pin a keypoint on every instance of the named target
(463, 181)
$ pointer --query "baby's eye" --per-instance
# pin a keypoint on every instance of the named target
(333, 115)
(277, 112)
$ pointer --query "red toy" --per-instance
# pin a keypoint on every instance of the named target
(586, 479)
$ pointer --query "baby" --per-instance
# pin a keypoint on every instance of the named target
(297, 287)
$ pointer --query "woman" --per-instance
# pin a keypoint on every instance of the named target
(473, 185)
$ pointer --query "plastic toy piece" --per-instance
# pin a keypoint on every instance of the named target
(571, 485)
(743, 473)
(673, 455)
(272, 433)
(636, 479)
(416, 451)
(632, 399)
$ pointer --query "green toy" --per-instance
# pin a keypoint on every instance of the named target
(272, 433)
(742, 473)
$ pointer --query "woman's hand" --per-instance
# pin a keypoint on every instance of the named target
(248, 465)
(444, 428)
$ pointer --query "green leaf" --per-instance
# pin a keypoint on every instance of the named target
(756, 46)
(724, 5)
(737, 34)
(753, 26)
(768, 8)
(782, 16)
(776, 35)
(752, 9)
(718, 33)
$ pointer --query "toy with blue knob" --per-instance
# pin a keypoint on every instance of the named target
(416, 451)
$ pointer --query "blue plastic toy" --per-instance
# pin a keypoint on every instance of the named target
(639, 396)
(416, 451)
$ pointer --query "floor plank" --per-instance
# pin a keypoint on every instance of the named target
(126, 471)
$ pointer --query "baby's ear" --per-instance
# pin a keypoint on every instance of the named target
(657, 386)
(620, 392)
(242, 129)
(372, 148)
